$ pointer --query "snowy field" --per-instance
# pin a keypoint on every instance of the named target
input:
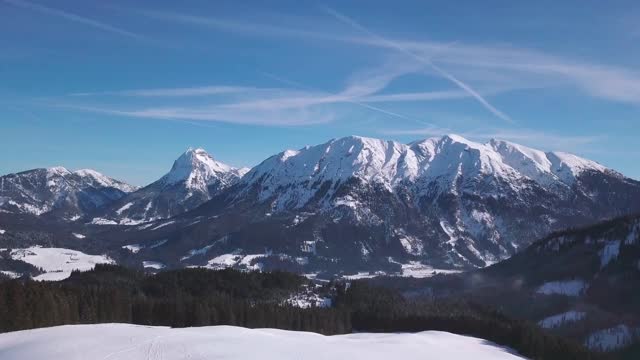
(568, 288)
(132, 342)
(560, 319)
(58, 263)
(611, 339)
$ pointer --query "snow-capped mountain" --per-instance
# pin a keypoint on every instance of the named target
(435, 166)
(361, 203)
(59, 192)
(193, 179)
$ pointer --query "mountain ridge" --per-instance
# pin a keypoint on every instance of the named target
(57, 190)
(365, 204)
(193, 179)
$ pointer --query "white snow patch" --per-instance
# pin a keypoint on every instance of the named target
(125, 207)
(308, 247)
(158, 243)
(559, 319)
(245, 262)
(11, 274)
(153, 265)
(364, 275)
(32, 209)
(569, 288)
(299, 219)
(609, 339)
(195, 252)
(103, 221)
(448, 229)
(79, 236)
(248, 259)
(136, 342)
(223, 261)
(134, 248)
(633, 235)
(347, 201)
(308, 299)
(145, 226)
(411, 244)
(418, 270)
(58, 263)
(2, 232)
(610, 252)
(163, 225)
(131, 222)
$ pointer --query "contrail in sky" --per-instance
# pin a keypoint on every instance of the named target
(347, 20)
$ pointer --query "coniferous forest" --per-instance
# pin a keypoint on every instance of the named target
(199, 297)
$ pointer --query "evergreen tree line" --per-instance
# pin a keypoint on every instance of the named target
(199, 297)
(377, 309)
(183, 298)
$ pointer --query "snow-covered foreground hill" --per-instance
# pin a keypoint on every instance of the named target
(132, 342)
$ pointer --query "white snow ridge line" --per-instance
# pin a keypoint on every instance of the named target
(133, 342)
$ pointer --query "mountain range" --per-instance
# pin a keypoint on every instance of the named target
(349, 205)
(59, 192)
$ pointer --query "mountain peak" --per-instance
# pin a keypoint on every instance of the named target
(58, 170)
(456, 138)
(197, 168)
(102, 180)
(193, 179)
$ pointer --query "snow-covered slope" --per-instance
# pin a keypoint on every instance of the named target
(59, 191)
(292, 175)
(193, 179)
(131, 342)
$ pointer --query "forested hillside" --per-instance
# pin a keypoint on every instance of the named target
(197, 297)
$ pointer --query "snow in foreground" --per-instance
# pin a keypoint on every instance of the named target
(131, 342)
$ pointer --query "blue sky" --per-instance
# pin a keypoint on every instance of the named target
(125, 87)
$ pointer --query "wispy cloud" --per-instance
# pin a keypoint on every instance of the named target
(355, 93)
(236, 26)
(75, 18)
(272, 106)
(417, 96)
(425, 60)
(535, 68)
(176, 92)
(492, 69)
(290, 103)
(483, 63)
(295, 117)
